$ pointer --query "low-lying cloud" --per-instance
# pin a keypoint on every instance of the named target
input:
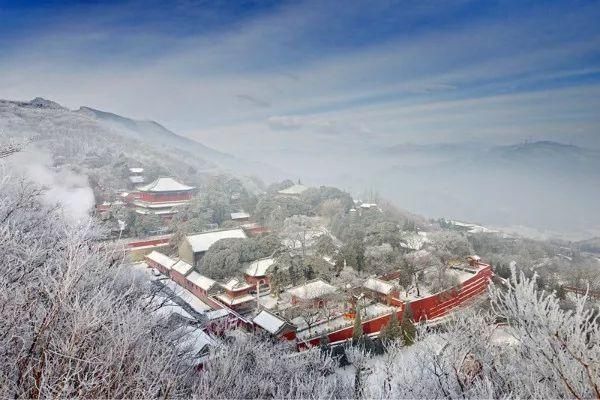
(63, 186)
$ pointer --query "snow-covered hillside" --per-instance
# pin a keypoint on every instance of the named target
(98, 140)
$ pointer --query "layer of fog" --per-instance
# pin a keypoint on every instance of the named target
(62, 185)
(537, 195)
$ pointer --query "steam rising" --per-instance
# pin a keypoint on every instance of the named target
(63, 186)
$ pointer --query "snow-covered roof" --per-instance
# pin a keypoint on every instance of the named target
(296, 189)
(144, 211)
(269, 322)
(379, 286)
(202, 241)
(235, 285)
(161, 259)
(182, 267)
(188, 297)
(136, 170)
(165, 185)
(200, 340)
(240, 215)
(216, 314)
(368, 205)
(203, 282)
(235, 300)
(312, 290)
(136, 179)
(259, 267)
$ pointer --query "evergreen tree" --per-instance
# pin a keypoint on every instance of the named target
(324, 345)
(408, 328)
(357, 331)
(391, 330)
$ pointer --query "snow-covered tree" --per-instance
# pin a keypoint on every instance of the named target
(75, 321)
(249, 369)
(541, 352)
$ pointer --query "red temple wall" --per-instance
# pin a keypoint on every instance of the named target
(149, 242)
(161, 197)
(432, 307)
(253, 280)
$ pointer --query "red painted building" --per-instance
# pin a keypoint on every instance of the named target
(316, 292)
(237, 295)
(256, 273)
(274, 325)
(160, 261)
(162, 197)
(179, 271)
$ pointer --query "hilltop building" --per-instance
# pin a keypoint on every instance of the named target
(162, 197)
(136, 176)
(240, 217)
(293, 191)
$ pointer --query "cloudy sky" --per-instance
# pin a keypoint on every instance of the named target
(236, 73)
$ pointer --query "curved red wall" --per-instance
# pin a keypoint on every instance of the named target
(428, 308)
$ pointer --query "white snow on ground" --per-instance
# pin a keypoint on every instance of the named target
(267, 301)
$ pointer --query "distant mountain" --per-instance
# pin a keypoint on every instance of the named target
(79, 136)
(590, 245)
(545, 185)
(154, 133)
(550, 156)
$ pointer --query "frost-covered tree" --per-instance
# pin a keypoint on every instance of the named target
(391, 331)
(358, 357)
(541, 352)
(450, 245)
(75, 321)
(407, 327)
(298, 232)
(249, 369)
(357, 329)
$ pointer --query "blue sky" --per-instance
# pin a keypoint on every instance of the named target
(298, 73)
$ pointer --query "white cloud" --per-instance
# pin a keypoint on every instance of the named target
(444, 83)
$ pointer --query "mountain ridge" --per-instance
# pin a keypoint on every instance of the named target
(53, 123)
